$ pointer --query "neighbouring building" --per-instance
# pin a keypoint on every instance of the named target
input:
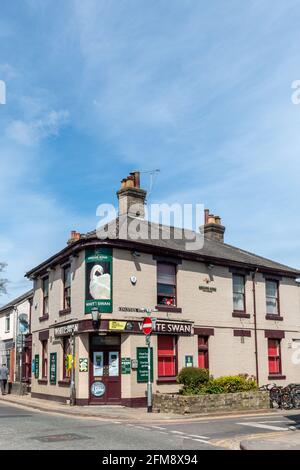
(217, 307)
(15, 338)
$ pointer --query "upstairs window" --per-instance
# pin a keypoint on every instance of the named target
(238, 283)
(166, 351)
(7, 324)
(272, 297)
(166, 284)
(67, 287)
(45, 283)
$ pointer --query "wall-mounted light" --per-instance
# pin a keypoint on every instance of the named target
(96, 316)
(136, 254)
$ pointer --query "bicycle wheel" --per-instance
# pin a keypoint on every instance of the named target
(286, 400)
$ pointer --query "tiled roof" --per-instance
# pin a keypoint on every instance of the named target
(17, 301)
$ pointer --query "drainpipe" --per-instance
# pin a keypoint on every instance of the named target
(255, 325)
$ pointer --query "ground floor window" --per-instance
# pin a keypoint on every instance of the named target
(66, 352)
(274, 356)
(44, 358)
(167, 358)
(203, 352)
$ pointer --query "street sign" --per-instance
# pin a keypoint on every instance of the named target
(147, 325)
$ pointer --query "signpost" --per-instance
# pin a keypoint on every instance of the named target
(147, 330)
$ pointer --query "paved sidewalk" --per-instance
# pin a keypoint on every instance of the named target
(115, 412)
(284, 441)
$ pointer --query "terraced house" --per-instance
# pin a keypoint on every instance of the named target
(217, 307)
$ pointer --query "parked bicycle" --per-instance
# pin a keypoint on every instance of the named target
(285, 398)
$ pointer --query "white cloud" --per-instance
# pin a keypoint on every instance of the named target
(32, 132)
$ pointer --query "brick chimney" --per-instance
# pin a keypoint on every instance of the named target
(212, 228)
(74, 237)
(131, 197)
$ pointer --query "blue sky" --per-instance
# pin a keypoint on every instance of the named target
(95, 89)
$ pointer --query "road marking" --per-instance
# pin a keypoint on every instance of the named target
(158, 427)
(117, 422)
(142, 427)
(201, 440)
(263, 426)
(177, 432)
(279, 421)
(198, 437)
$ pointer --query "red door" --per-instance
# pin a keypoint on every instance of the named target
(105, 373)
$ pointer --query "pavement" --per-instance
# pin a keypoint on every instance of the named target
(27, 423)
(113, 412)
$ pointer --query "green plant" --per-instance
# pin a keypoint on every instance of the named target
(198, 382)
(230, 384)
(192, 379)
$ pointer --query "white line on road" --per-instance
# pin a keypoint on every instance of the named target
(201, 440)
(158, 427)
(263, 426)
(177, 432)
(198, 437)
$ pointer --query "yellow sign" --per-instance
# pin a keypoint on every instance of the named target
(70, 362)
(117, 325)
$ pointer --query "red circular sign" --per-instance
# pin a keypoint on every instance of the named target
(147, 325)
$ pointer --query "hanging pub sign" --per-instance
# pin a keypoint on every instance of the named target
(98, 280)
(53, 368)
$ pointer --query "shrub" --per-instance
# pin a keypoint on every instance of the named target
(193, 379)
(198, 382)
(230, 384)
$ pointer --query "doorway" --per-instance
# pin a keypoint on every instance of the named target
(105, 373)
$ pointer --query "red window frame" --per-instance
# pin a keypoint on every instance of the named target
(44, 359)
(166, 286)
(203, 357)
(66, 350)
(274, 356)
(166, 356)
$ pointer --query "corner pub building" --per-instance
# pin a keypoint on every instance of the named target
(218, 307)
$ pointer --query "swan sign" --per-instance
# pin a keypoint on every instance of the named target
(98, 280)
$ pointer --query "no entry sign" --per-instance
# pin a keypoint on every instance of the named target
(147, 325)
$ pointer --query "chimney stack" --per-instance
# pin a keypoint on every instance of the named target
(74, 237)
(212, 228)
(131, 197)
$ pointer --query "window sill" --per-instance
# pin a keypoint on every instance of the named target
(168, 380)
(270, 316)
(64, 311)
(43, 381)
(44, 317)
(168, 308)
(64, 383)
(237, 314)
(276, 377)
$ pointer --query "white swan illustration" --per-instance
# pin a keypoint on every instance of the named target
(99, 283)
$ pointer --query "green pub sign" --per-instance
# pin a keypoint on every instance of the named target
(126, 365)
(98, 279)
(142, 359)
(52, 368)
(36, 366)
